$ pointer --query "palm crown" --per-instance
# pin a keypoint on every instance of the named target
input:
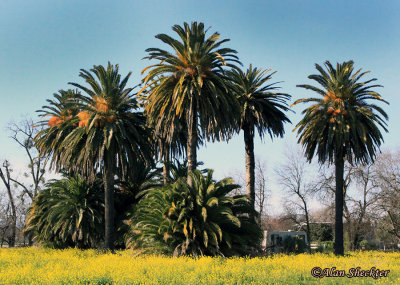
(109, 123)
(261, 106)
(62, 110)
(341, 121)
(191, 78)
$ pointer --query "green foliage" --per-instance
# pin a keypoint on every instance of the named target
(262, 107)
(325, 247)
(320, 232)
(68, 212)
(293, 245)
(341, 121)
(201, 219)
(140, 179)
(365, 245)
(190, 83)
(108, 127)
(62, 109)
(107, 135)
(180, 170)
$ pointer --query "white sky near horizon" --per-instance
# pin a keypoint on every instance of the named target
(43, 44)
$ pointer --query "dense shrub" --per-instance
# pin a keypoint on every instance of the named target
(365, 245)
(201, 219)
(68, 212)
(293, 245)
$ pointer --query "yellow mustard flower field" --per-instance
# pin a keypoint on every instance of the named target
(72, 266)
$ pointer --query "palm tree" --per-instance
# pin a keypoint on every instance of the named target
(262, 108)
(169, 133)
(180, 170)
(197, 219)
(340, 125)
(190, 83)
(68, 212)
(61, 110)
(141, 177)
(110, 134)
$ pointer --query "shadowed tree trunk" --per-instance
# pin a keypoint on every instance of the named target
(108, 179)
(6, 180)
(191, 147)
(166, 164)
(339, 169)
(250, 164)
(308, 230)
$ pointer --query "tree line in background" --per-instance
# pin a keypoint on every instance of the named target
(107, 141)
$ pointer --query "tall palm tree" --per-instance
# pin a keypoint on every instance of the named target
(341, 124)
(262, 108)
(110, 133)
(192, 85)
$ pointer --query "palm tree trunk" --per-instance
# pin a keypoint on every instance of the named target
(191, 146)
(339, 169)
(250, 164)
(166, 164)
(108, 180)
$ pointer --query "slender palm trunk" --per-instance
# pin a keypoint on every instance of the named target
(250, 164)
(191, 147)
(339, 169)
(166, 164)
(108, 180)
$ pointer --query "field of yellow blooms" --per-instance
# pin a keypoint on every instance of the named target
(47, 266)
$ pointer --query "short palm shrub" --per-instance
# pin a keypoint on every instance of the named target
(197, 219)
(68, 212)
(140, 178)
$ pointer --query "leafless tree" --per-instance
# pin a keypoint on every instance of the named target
(388, 180)
(292, 175)
(18, 187)
(5, 175)
(23, 134)
(360, 198)
(363, 204)
(262, 192)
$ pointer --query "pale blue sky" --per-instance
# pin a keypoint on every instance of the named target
(43, 44)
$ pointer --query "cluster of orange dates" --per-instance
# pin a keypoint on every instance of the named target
(338, 104)
(101, 107)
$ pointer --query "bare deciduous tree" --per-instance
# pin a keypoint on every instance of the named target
(293, 177)
(16, 186)
(360, 198)
(388, 180)
(262, 193)
(23, 134)
(5, 176)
